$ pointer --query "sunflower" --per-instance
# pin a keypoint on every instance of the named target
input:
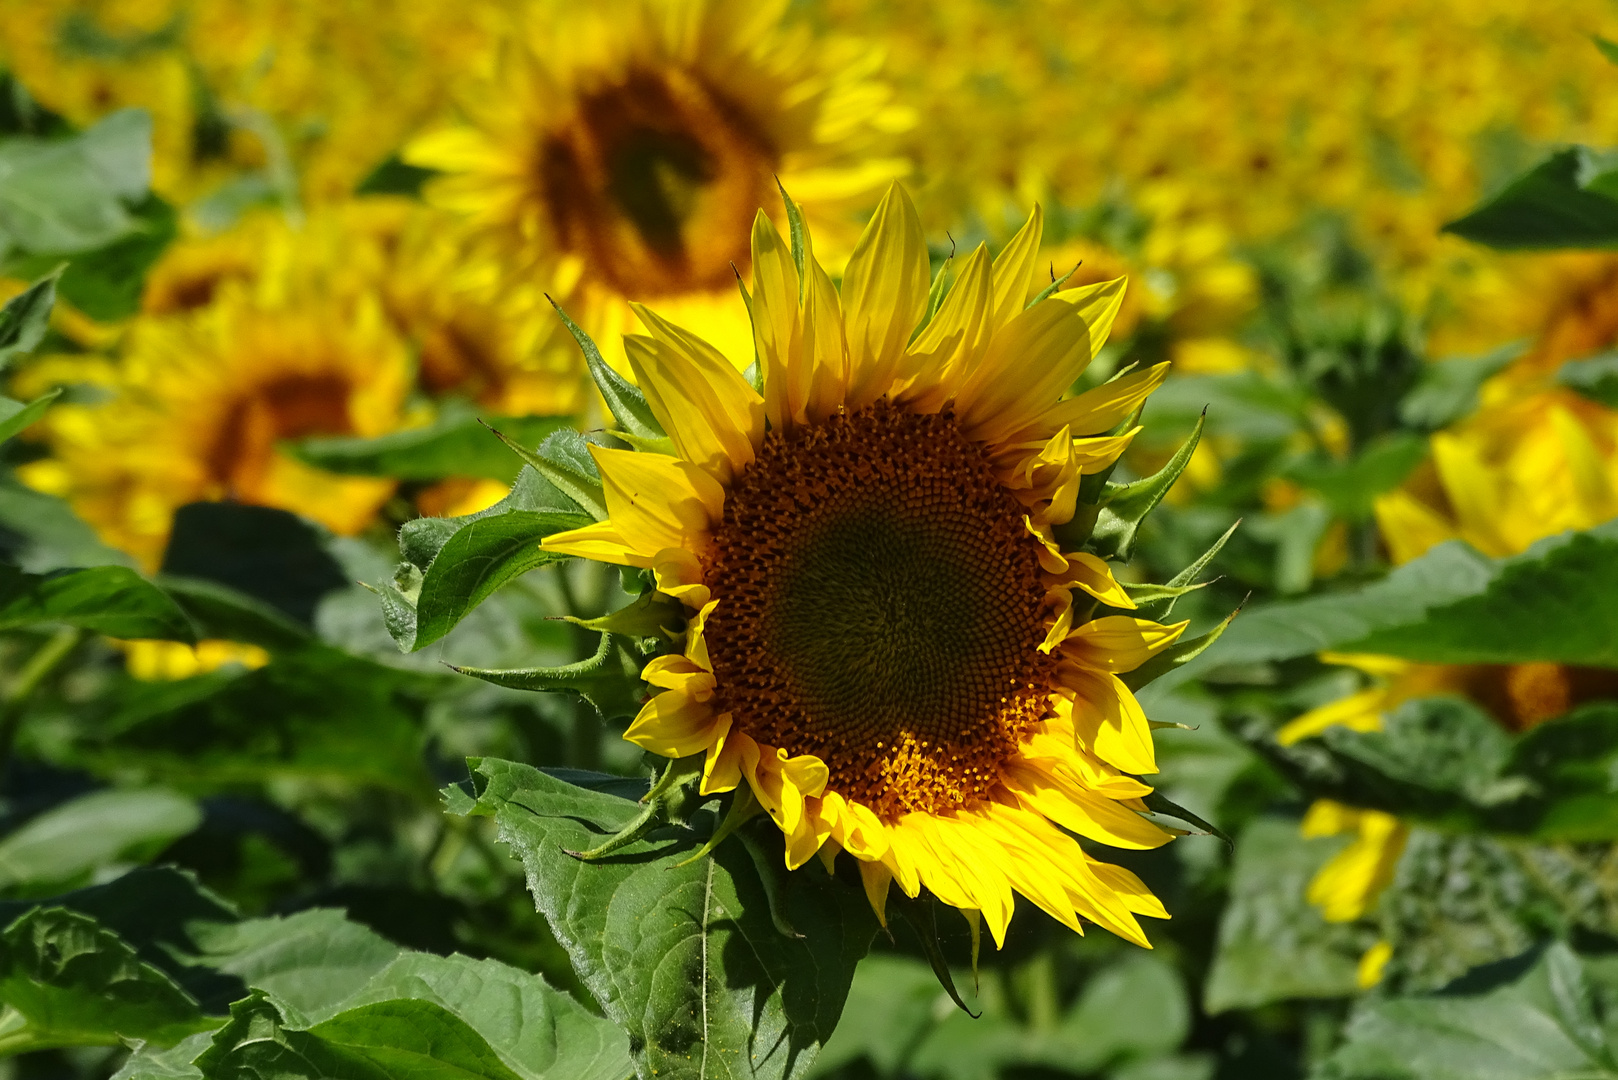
(887, 648)
(199, 404)
(619, 150)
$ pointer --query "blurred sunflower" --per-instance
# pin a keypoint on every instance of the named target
(618, 151)
(886, 644)
(198, 404)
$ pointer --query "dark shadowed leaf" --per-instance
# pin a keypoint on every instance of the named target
(269, 554)
(1550, 206)
(26, 317)
(457, 444)
(66, 844)
(112, 600)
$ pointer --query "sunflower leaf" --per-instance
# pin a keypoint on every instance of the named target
(69, 981)
(15, 415)
(624, 399)
(564, 460)
(609, 680)
(1125, 506)
(686, 959)
(799, 232)
(458, 444)
(1562, 202)
(1185, 581)
(26, 317)
(1595, 377)
(112, 600)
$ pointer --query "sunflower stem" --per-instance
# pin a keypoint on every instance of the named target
(653, 812)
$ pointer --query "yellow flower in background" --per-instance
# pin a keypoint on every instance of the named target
(199, 402)
(313, 96)
(886, 646)
(158, 661)
(1347, 886)
(618, 151)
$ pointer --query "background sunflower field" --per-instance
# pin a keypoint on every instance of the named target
(318, 319)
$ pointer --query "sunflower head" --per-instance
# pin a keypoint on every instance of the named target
(889, 648)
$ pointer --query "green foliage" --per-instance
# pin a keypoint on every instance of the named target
(26, 317)
(1267, 919)
(1594, 377)
(458, 443)
(1448, 389)
(1536, 1018)
(1124, 506)
(110, 600)
(609, 680)
(63, 846)
(66, 196)
(686, 959)
(624, 399)
(1566, 201)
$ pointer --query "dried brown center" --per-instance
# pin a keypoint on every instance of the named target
(655, 180)
(880, 607)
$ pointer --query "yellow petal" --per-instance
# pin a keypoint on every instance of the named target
(778, 326)
(655, 501)
(1014, 269)
(1030, 362)
(599, 541)
(1110, 722)
(1357, 712)
(1119, 643)
(1102, 408)
(824, 350)
(673, 725)
(1347, 886)
(1408, 526)
(884, 296)
(876, 878)
(1094, 576)
(954, 341)
(1084, 812)
(714, 417)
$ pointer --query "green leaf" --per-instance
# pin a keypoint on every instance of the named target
(312, 961)
(26, 317)
(46, 535)
(63, 846)
(220, 612)
(1183, 582)
(891, 1005)
(63, 196)
(312, 714)
(257, 1043)
(624, 399)
(1509, 1021)
(16, 416)
(1551, 206)
(395, 176)
(686, 959)
(1607, 48)
(1125, 506)
(413, 1038)
(609, 680)
(539, 1032)
(1272, 944)
(1557, 602)
(1448, 389)
(107, 283)
(421, 540)
(456, 444)
(798, 230)
(272, 555)
(111, 600)
(482, 556)
(66, 981)
(1595, 377)
(1350, 488)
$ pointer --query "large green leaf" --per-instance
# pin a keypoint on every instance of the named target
(1350, 488)
(62, 196)
(1448, 389)
(63, 846)
(457, 444)
(539, 1032)
(67, 981)
(1511, 1021)
(107, 283)
(112, 600)
(1272, 944)
(1563, 202)
(687, 959)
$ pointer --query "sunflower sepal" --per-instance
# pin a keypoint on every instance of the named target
(1158, 803)
(920, 915)
(651, 615)
(624, 399)
(1185, 580)
(1124, 506)
(564, 459)
(608, 680)
(664, 802)
(1176, 655)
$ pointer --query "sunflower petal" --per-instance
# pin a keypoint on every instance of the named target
(656, 501)
(1014, 269)
(884, 296)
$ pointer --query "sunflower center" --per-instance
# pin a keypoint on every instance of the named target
(880, 607)
(654, 179)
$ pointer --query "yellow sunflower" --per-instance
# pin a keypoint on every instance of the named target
(886, 645)
(618, 150)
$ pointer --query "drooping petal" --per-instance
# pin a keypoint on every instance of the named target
(1119, 643)
(1110, 722)
(674, 725)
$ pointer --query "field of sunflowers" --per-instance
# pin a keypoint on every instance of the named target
(788, 539)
